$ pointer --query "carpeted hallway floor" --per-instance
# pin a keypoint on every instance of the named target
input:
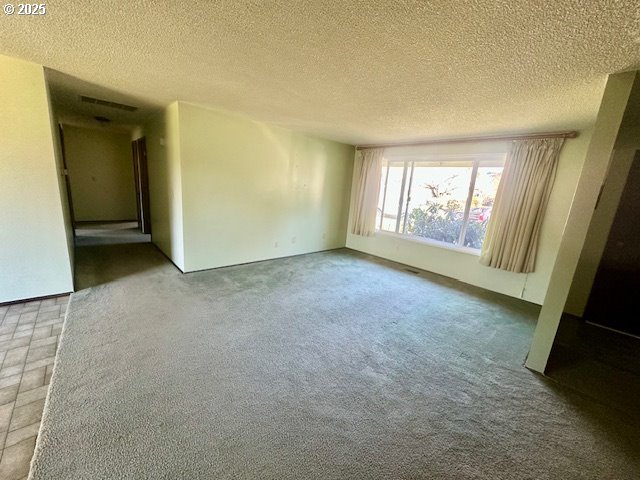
(108, 233)
(323, 366)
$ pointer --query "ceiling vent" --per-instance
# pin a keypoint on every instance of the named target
(107, 103)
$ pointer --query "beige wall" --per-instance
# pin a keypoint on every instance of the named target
(165, 184)
(34, 254)
(101, 173)
(252, 191)
(465, 266)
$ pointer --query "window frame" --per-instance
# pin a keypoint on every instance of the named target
(408, 161)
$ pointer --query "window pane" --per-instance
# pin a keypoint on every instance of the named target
(392, 197)
(484, 195)
(439, 193)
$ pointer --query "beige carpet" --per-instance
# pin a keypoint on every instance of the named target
(109, 233)
(324, 366)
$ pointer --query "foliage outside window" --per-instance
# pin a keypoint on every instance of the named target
(448, 200)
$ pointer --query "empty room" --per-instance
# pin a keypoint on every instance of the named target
(319, 240)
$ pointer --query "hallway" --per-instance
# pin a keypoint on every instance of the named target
(105, 252)
(109, 233)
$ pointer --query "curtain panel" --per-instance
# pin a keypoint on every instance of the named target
(511, 241)
(367, 192)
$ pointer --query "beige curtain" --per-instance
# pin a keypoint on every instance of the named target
(512, 235)
(367, 192)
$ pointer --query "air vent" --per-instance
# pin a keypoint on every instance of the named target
(107, 103)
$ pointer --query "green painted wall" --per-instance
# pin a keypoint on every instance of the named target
(253, 191)
(165, 183)
(100, 168)
(34, 253)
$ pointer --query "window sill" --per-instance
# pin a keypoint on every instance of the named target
(431, 243)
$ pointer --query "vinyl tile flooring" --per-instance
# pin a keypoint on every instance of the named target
(29, 336)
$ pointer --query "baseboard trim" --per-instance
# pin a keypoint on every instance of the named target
(263, 260)
(613, 329)
(34, 299)
(166, 256)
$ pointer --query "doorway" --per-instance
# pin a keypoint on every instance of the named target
(141, 178)
(613, 301)
(108, 185)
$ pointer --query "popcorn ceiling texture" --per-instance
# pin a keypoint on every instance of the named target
(356, 71)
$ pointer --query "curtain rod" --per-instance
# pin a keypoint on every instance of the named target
(524, 136)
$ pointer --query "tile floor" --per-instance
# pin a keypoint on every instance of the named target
(29, 335)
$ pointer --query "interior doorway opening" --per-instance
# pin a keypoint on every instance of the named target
(612, 302)
(107, 185)
(141, 180)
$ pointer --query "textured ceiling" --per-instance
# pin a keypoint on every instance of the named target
(66, 91)
(357, 71)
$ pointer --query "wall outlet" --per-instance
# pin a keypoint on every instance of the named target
(294, 239)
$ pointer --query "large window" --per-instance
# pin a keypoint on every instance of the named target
(448, 200)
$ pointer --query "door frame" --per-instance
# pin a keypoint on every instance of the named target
(67, 181)
(141, 178)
